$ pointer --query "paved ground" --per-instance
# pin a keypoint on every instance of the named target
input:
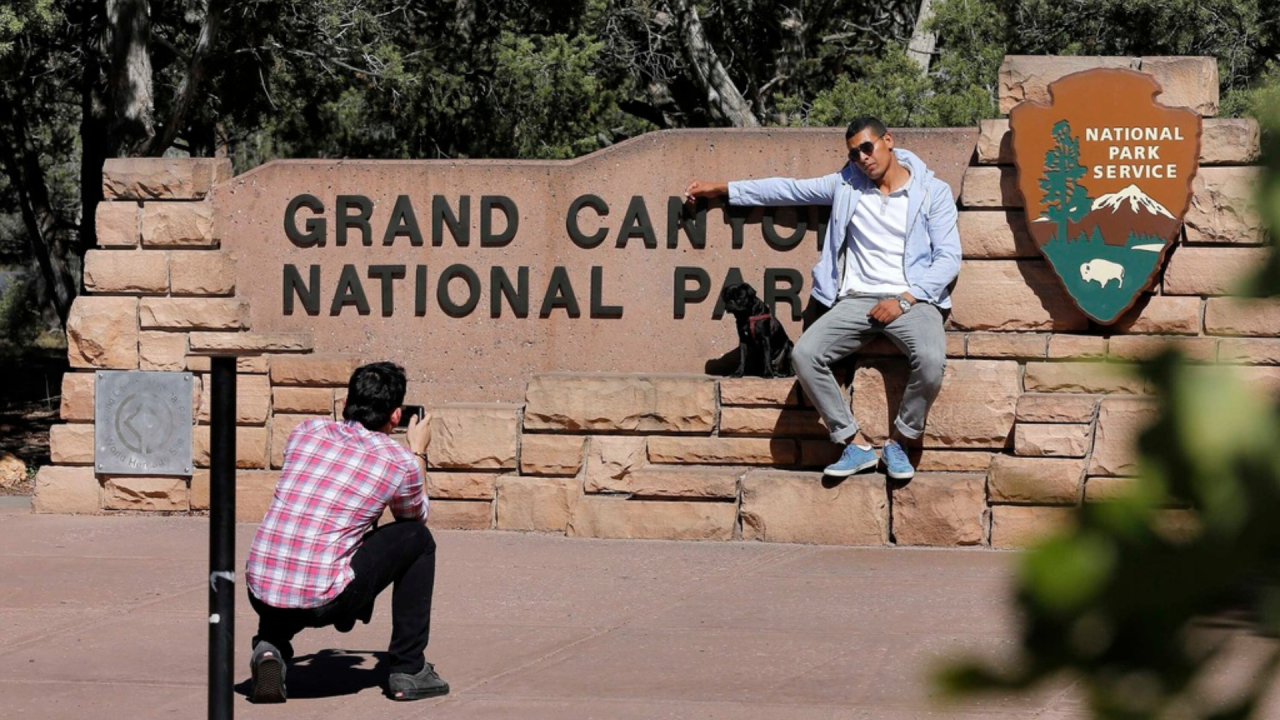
(107, 616)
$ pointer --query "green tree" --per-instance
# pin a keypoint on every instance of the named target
(1065, 199)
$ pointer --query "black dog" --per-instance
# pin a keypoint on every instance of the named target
(762, 341)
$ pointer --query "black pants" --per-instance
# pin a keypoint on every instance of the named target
(403, 553)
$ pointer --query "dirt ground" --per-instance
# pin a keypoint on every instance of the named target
(30, 395)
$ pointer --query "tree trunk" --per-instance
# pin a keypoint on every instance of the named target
(722, 96)
(190, 81)
(920, 49)
(129, 75)
(21, 160)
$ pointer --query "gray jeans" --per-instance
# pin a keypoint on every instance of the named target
(842, 331)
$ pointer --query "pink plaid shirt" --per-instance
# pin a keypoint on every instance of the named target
(337, 479)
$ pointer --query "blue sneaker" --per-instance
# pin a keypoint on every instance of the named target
(854, 459)
(896, 464)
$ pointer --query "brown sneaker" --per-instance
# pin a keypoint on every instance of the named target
(423, 684)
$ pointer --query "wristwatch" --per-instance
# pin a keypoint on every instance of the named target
(904, 303)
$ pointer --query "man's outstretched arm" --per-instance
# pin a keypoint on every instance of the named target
(769, 192)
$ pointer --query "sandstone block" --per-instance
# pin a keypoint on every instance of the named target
(240, 343)
(1231, 350)
(1012, 295)
(1161, 315)
(281, 427)
(608, 517)
(995, 143)
(1035, 481)
(941, 509)
(253, 399)
(760, 391)
(1081, 377)
(145, 493)
(954, 461)
(158, 350)
(1027, 77)
(66, 490)
(771, 422)
(71, 444)
(1120, 420)
(118, 224)
(795, 507)
(119, 271)
(193, 313)
(1230, 141)
(1056, 408)
(460, 515)
(1186, 81)
(611, 458)
(1101, 489)
(989, 234)
(678, 481)
(990, 188)
(1007, 345)
(818, 453)
(198, 492)
(722, 451)
(254, 490)
(255, 364)
(1234, 316)
(535, 504)
(1014, 527)
(302, 401)
(467, 435)
(313, 370)
(1222, 207)
(77, 397)
(1211, 270)
(1077, 347)
(621, 403)
(1037, 440)
(12, 470)
(162, 178)
(1139, 347)
(178, 225)
(102, 332)
(460, 485)
(974, 409)
(552, 454)
(1225, 141)
(202, 273)
(251, 447)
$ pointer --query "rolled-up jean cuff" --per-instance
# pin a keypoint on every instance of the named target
(907, 431)
(843, 434)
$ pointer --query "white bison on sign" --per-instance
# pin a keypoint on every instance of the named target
(1102, 272)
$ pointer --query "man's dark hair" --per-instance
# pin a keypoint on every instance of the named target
(373, 393)
(862, 123)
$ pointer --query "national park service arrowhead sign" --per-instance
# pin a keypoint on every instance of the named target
(1105, 174)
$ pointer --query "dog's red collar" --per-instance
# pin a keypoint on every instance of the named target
(755, 319)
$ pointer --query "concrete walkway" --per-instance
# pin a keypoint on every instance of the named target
(105, 618)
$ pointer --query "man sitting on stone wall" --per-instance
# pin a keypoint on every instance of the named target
(890, 253)
(315, 562)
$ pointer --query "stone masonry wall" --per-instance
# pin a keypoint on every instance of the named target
(1037, 412)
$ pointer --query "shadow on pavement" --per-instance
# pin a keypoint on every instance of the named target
(331, 673)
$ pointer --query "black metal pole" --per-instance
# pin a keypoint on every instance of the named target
(222, 536)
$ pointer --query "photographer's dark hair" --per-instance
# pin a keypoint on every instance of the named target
(373, 393)
(862, 123)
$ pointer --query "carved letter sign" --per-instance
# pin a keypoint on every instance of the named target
(1105, 174)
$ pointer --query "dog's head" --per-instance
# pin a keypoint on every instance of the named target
(738, 297)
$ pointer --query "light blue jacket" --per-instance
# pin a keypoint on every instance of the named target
(932, 253)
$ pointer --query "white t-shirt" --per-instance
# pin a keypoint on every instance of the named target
(876, 247)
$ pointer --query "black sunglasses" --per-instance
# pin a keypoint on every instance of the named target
(866, 147)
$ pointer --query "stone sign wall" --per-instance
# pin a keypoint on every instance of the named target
(1036, 413)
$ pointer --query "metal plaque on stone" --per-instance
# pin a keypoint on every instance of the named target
(142, 423)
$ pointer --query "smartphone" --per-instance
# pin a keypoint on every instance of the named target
(408, 411)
